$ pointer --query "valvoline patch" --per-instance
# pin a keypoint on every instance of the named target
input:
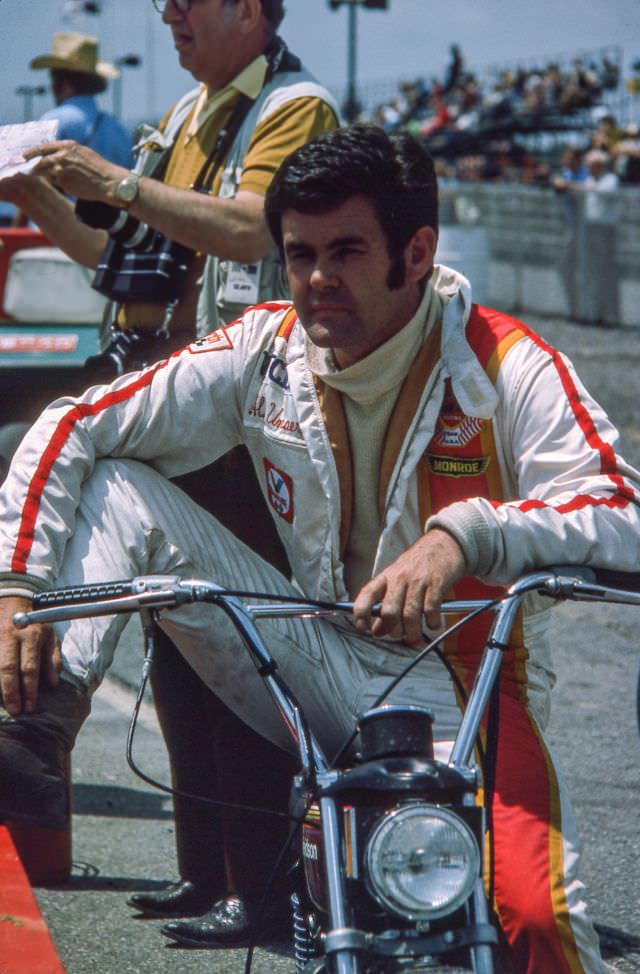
(280, 491)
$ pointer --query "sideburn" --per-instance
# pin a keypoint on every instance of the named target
(397, 272)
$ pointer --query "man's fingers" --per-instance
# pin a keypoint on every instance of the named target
(30, 668)
(52, 659)
(433, 599)
(390, 621)
(9, 675)
(49, 148)
(368, 596)
(20, 656)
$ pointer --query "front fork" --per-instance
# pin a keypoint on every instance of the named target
(344, 945)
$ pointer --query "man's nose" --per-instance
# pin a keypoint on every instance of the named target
(324, 276)
(171, 13)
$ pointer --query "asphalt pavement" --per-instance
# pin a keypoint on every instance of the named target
(123, 829)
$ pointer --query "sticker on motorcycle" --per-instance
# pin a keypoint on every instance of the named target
(280, 491)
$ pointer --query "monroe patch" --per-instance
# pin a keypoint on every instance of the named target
(457, 466)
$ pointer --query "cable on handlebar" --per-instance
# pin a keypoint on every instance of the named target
(433, 646)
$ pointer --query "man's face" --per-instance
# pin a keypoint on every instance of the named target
(206, 38)
(338, 265)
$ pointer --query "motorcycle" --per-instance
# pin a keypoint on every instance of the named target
(391, 840)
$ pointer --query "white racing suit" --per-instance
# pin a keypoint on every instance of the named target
(489, 415)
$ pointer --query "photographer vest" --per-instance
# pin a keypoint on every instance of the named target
(220, 289)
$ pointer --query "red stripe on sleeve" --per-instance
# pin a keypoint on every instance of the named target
(52, 451)
(623, 495)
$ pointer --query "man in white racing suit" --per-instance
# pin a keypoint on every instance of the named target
(408, 443)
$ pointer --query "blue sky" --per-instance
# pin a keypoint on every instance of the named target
(412, 38)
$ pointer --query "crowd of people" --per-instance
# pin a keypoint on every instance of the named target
(477, 129)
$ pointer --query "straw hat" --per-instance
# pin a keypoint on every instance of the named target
(75, 52)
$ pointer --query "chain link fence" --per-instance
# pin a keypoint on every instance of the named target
(574, 254)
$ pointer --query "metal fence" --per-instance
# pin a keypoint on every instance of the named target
(573, 254)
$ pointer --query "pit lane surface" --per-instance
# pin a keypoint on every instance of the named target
(123, 831)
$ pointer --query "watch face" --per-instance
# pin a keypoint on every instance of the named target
(128, 188)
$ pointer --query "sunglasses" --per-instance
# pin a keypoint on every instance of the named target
(184, 6)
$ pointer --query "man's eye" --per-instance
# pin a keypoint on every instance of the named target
(345, 252)
(298, 257)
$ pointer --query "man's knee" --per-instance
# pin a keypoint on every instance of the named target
(33, 752)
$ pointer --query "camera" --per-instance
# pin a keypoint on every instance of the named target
(138, 262)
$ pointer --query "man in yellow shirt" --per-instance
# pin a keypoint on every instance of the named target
(254, 104)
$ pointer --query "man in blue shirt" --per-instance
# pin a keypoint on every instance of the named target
(77, 76)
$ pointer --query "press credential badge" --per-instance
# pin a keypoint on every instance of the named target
(243, 283)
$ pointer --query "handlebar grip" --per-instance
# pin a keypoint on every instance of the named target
(76, 594)
(626, 581)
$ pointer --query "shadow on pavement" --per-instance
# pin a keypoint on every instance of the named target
(118, 801)
(616, 943)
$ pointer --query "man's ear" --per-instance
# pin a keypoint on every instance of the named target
(249, 13)
(419, 254)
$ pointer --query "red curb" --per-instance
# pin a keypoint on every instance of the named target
(26, 946)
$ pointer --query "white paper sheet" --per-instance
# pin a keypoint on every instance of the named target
(16, 139)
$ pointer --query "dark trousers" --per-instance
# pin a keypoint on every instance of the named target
(211, 751)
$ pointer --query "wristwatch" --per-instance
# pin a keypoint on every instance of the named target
(127, 190)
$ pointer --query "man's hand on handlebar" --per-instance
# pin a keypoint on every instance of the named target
(24, 654)
(412, 587)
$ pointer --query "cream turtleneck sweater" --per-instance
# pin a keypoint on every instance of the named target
(369, 390)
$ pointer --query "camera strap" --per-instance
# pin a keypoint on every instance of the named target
(279, 58)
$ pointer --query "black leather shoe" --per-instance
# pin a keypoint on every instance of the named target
(184, 899)
(227, 924)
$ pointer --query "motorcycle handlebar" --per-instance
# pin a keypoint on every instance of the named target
(166, 591)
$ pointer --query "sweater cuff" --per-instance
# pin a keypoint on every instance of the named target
(469, 528)
(16, 584)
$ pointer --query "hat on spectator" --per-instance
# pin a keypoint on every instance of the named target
(75, 52)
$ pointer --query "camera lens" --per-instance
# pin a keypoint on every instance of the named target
(122, 227)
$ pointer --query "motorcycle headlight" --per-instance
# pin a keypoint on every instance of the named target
(422, 862)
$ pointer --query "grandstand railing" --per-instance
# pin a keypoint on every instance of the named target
(562, 254)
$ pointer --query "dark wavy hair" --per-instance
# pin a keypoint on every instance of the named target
(394, 171)
(274, 11)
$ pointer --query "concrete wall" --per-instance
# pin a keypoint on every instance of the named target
(535, 250)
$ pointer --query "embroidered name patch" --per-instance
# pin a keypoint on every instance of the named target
(280, 491)
(458, 466)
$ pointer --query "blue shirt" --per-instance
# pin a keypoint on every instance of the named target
(80, 119)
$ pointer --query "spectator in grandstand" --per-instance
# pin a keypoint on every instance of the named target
(626, 155)
(601, 215)
(573, 169)
(454, 69)
(606, 133)
(608, 74)
(633, 83)
(581, 88)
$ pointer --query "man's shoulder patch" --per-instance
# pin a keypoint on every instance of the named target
(218, 341)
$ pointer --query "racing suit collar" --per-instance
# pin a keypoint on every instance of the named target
(471, 386)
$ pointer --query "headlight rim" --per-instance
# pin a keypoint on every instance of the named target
(403, 812)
